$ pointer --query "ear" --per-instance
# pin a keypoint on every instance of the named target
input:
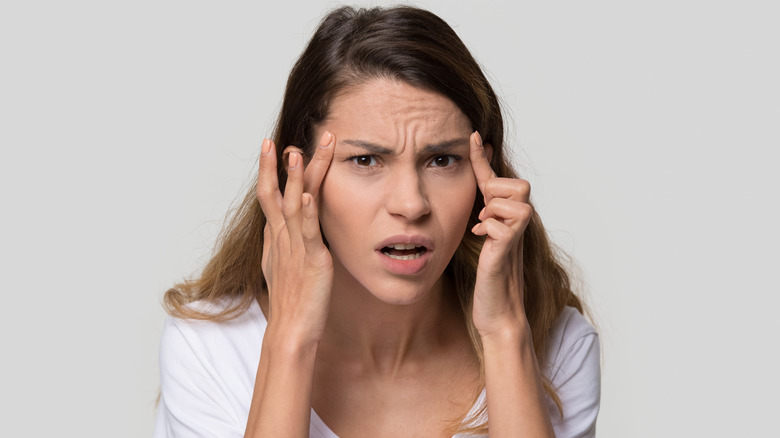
(488, 151)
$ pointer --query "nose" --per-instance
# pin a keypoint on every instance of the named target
(407, 198)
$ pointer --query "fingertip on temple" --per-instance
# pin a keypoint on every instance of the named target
(326, 139)
(477, 138)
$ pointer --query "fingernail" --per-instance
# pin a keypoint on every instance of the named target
(293, 160)
(306, 200)
(266, 147)
(481, 214)
(326, 139)
(474, 228)
(478, 138)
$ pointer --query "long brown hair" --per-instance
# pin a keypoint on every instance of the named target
(349, 47)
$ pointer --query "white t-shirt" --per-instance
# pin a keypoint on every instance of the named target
(208, 369)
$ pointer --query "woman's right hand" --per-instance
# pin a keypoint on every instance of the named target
(298, 270)
(297, 266)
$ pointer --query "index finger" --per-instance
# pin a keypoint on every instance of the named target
(318, 166)
(479, 162)
(268, 185)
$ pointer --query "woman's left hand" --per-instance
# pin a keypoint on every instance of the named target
(498, 292)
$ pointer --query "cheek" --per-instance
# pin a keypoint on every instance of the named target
(455, 201)
(342, 205)
(459, 192)
(330, 205)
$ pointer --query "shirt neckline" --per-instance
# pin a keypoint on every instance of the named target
(316, 422)
(321, 427)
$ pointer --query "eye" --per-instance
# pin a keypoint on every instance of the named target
(364, 160)
(444, 160)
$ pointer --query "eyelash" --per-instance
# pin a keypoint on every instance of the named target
(354, 160)
(454, 159)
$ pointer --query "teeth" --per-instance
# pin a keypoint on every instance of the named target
(403, 246)
(403, 257)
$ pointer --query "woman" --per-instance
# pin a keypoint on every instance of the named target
(388, 278)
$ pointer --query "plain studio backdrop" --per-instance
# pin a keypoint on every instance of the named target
(648, 131)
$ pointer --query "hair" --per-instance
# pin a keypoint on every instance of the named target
(352, 46)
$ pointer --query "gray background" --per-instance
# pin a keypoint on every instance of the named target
(648, 131)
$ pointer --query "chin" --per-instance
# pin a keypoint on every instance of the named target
(401, 290)
(391, 289)
(399, 296)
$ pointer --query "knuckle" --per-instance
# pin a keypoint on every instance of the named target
(263, 192)
(319, 258)
(321, 155)
(523, 186)
(504, 232)
(310, 234)
(265, 165)
(522, 183)
(288, 210)
(496, 205)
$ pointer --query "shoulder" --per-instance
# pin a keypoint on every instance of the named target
(207, 372)
(573, 366)
(226, 352)
(251, 319)
(572, 323)
(571, 332)
(210, 341)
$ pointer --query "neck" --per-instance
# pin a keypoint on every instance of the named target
(379, 337)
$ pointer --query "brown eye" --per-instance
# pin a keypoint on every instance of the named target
(364, 160)
(443, 161)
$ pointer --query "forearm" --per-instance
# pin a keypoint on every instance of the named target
(513, 381)
(281, 402)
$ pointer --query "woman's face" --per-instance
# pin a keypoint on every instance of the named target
(398, 194)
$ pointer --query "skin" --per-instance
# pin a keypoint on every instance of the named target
(349, 331)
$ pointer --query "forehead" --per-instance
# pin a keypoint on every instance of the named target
(392, 112)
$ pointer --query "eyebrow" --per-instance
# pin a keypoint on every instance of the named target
(428, 149)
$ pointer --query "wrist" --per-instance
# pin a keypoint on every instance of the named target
(289, 342)
(515, 332)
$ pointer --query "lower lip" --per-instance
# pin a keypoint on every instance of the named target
(405, 267)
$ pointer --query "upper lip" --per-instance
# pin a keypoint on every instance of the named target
(414, 239)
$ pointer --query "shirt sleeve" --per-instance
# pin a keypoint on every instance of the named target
(192, 404)
(577, 380)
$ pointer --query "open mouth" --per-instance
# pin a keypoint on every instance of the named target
(404, 251)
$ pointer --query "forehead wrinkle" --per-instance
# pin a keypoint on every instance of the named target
(434, 148)
(445, 146)
(386, 118)
(370, 147)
